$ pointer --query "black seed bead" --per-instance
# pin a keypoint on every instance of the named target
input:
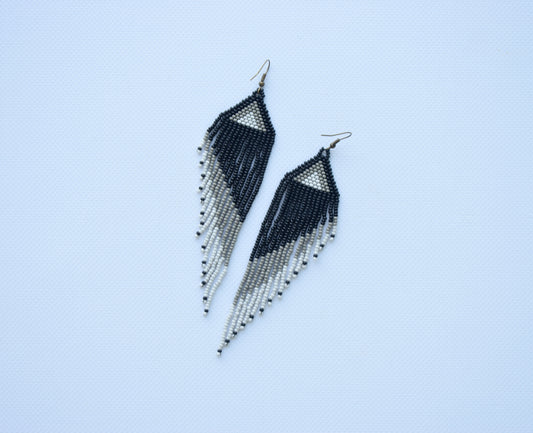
(242, 154)
(204, 283)
(261, 309)
(205, 298)
(251, 316)
(243, 324)
(234, 332)
(226, 341)
(198, 233)
(280, 293)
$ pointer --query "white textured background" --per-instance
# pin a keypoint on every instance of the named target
(418, 318)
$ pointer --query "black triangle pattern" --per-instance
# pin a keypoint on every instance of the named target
(297, 208)
(242, 151)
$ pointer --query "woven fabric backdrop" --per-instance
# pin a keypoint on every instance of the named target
(418, 318)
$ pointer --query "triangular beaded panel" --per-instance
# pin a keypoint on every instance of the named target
(250, 116)
(315, 177)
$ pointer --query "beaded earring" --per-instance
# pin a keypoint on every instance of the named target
(236, 149)
(302, 218)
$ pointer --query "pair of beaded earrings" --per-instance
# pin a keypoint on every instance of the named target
(301, 219)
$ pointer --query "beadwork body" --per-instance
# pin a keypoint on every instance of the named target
(302, 218)
(236, 149)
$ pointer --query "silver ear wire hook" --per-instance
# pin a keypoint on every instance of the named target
(334, 143)
(262, 82)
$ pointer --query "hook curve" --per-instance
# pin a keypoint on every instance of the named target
(334, 143)
(262, 82)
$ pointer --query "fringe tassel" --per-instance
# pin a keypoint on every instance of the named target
(301, 220)
(235, 152)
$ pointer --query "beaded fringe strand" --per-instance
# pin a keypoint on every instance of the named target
(300, 221)
(236, 149)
